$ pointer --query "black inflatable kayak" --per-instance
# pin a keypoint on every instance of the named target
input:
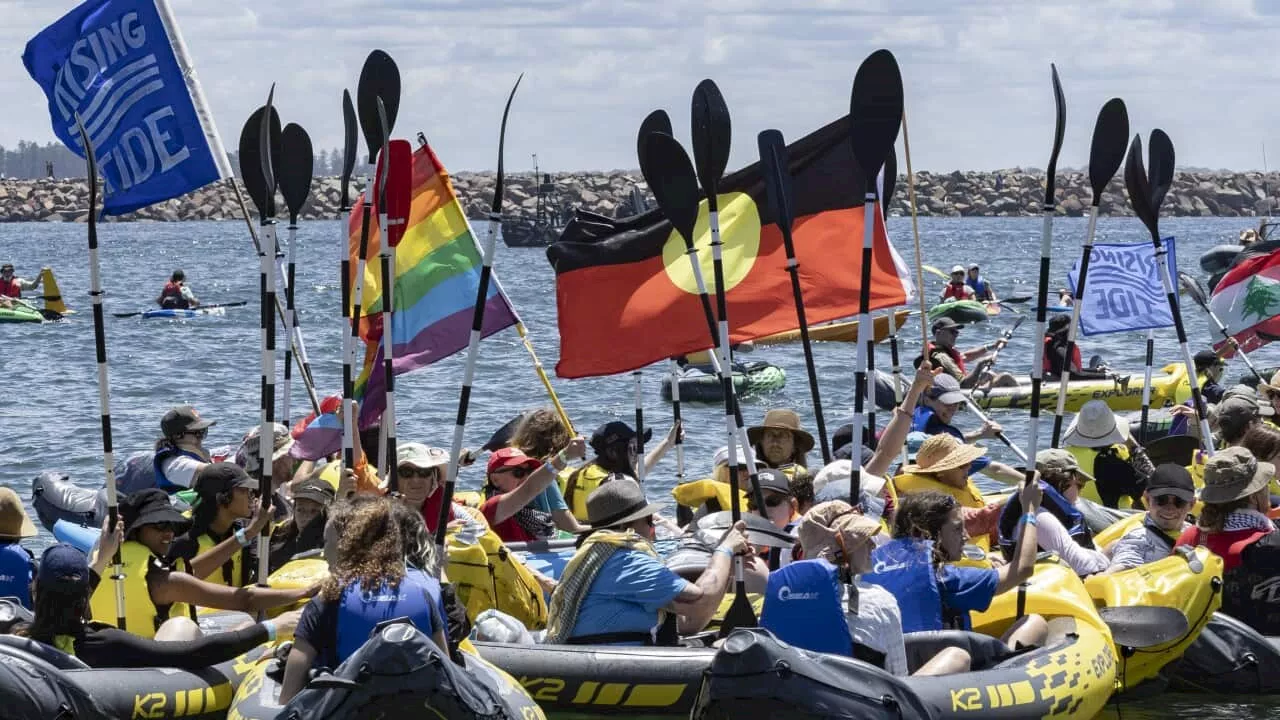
(1228, 658)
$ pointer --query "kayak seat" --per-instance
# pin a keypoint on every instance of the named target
(985, 651)
(53, 656)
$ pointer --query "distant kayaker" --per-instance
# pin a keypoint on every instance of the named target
(1065, 298)
(1169, 496)
(957, 288)
(1210, 368)
(944, 354)
(180, 453)
(616, 452)
(176, 295)
(981, 288)
(1055, 353)
(616, 591)
(17, 564)
(12, 286)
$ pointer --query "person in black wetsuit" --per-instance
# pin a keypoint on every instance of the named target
(1055, 353)
(63, 587)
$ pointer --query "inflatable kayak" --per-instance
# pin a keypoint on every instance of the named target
(20, 314)
(1124, 392)
(1219, 258)
(753, 378)
(172, 314)
(846, 331)
(962, 311)
(1228, 658)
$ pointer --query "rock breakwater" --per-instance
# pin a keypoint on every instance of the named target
(1005, 193)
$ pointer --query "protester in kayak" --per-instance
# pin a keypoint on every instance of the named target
(1055, 353)
(1209, 370)
(221, 546)
(17, 564)
(420, 470)
(916, 566)
(66, 582)
(1169, 496)
(160, 602)
(942, 465)
(699, 498)
(938, 408)
(616, 451)
(1065, 298)
(1269, 393)
(828, 607)
(176, 295)
(1061, 527)
(12, 286)
(1234, 524)
(944, 354)
(616, 591)
(180, 452)
(282, 465)
(957, 288)
(369, 583)
(1108, 452)
(304, 530)
(780, 442)
(982, 289)
(513, 480)
(1264, 442)
(540, 434)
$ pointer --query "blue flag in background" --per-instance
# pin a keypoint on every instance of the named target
(1124, 290)
(114, 62)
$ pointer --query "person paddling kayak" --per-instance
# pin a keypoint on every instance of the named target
(957, 289)
(981, 288)
(176, 294)
(12, 286)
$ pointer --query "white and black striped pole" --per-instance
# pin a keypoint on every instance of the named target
(266, 433)
(100, 348)
(395, 191)
(640, 468)
(675, 420)
(344, 250)
(477, 327)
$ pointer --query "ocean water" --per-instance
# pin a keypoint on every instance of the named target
(48, 402)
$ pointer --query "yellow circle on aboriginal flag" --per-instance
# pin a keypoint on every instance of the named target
(739, 236)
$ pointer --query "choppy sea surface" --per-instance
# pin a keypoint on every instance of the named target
(48, 393)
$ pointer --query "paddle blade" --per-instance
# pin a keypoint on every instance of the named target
(349, 129)
(1059, 130)
(399, 189)
(379, 79)
(1106, 152)
(295, 168)
(875, 112)
(711, 137)
(656, 121)
(380, 175)
(1135, 183)
(268, 151)
(251, 157)
(496, 206)
(890, 175)
(776, 164)
(1143, 627)
(675, 186)
(1192, 287)
(740, 613)
(1160, 168)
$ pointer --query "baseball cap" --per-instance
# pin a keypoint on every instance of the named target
(1172, 479)
(222, 477)
(944, 323)
(946, 390)
(183, 419)
(1058, 461)
(63, 567)
(615, 431)
(509, 457)
(1207, 358)
(722, 457)
(1236, 410)
(249, 454)
(973, 266)
(316, 490)
(773, 481)
(957, 269)
(421, 456)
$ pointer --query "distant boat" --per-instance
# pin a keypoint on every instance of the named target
(547, 223)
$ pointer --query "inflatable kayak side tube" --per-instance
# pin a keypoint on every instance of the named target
(1228, 658)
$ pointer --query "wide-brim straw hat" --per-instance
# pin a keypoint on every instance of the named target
(1267, 388)
(782, 419)
(943, 452)
(1096, 426)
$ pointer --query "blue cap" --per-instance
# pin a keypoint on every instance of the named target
(64, 567)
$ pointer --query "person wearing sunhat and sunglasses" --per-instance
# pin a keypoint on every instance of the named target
(160, 602)
(1234, 525)
(420, 471)
(1107, 451)
(513, 480)
(221, 546)
(17, 564)
(615, 589)
(944, 354)
(180, 452)
(1169, 496)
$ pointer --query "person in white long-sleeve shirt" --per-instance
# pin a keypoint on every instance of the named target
(1061, 526)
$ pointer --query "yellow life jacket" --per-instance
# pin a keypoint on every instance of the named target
(230, 574)
(1085, 457)
(487, 575)
(700, 492)
(576, 484)
(142, 617)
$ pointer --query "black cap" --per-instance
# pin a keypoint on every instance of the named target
(1058, 323)
(183, 419)
(316, 490)
(1172, 479)
(613, 432)
(222, 477)
(1207, 359)
(774, 481)
(149, 507)
(944, 323)
(63, 568)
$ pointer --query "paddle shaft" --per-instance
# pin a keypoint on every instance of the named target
(863, 426)
(287, 383)
(639, 402)
(387, 456)
(915, 233)
(1064, 377)
(348, 344)
(1146, 386)
(675, 419)
(1171, 296)
(973, 407)
(266, 433)
(897, 368)
(1222, 329)
(351, 425)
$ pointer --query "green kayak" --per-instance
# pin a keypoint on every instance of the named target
(20, 314)
(698, 385)
(962, 311)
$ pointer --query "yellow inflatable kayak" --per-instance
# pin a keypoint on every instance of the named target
(1168, 388)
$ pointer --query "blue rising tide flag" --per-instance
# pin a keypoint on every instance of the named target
(122, 65)
(1124, 290)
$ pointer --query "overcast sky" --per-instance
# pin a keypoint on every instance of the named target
(976, 72)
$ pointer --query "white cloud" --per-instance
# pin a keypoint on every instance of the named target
(976, 71)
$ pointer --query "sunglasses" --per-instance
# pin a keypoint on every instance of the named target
(198, 434)
(166, 527)
(520, 471)
(770, 501)
(409, 471)
(1167, 500)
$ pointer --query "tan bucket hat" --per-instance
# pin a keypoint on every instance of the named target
(782, 419)
(943, 452)
(1234, 473)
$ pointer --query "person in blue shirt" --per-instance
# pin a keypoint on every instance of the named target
(982, 289)
(17, 564)
(616, 590)
(916, 566)
(938, 407)
(369, 583)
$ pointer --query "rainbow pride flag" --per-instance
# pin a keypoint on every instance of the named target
(433, 297)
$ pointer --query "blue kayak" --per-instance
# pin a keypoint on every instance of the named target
(81, 537)
(171, 314)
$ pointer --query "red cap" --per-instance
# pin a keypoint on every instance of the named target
(510, 457)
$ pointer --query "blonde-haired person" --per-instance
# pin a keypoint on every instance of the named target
(820, 603)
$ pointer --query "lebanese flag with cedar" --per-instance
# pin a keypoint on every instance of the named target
(1247, 301)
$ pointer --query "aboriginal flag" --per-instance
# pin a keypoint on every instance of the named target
(625, 290)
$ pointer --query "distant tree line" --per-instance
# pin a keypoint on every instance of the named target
(31, 160)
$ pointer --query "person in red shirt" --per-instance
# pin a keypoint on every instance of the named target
(957, 289)
(513, 480)
(11, 286)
